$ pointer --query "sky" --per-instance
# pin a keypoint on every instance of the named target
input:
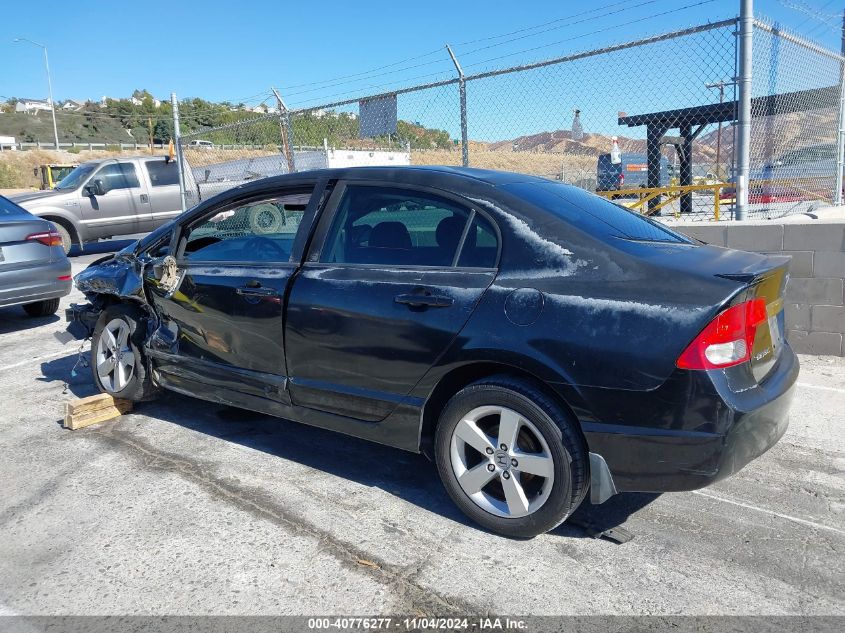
(315, 52)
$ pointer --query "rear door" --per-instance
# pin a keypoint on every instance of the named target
(165, 197)
(394, 275)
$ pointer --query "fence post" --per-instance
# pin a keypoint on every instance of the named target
(462, 87)
(840, 139)
(743, 167)
(285, 131)
(177, 139)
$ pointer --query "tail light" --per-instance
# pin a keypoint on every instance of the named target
(48, 238)
(727, 340)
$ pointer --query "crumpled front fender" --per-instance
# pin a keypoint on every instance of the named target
(120, 277)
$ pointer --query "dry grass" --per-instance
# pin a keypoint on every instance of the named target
(548, 165)
(18, 169)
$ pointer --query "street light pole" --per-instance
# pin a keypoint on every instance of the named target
(49, 86)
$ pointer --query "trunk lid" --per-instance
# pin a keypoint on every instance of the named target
(767, 284)
(15, 250)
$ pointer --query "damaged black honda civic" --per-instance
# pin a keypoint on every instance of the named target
(538, 342)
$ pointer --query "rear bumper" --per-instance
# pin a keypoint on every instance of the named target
(27, 285)
(642, 459)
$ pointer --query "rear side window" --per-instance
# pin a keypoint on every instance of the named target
(118, 176)
(162, 173)
(10, 209)
(593, 213)
(400, 227)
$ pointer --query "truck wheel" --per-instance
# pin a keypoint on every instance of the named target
(510, 457)
(117, 357)
(41, 308)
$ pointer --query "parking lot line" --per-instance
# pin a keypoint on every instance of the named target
(34, 360)
(780, 515)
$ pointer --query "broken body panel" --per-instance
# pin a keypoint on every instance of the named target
(595, 310)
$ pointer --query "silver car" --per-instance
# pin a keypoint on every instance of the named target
(34, 271)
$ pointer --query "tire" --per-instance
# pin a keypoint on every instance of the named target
(127, 379)
(41, 308)
(67, 240)
(266, 218)
(548, 441)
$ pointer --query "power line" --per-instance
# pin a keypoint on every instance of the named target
(596, 32)
(429, 75)
(345, 80)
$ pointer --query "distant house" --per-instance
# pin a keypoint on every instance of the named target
(136, 101)
(32, 106)
(72, 105)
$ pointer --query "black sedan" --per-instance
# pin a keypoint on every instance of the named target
(538, 342)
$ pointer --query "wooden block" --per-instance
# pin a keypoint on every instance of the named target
(84, 412)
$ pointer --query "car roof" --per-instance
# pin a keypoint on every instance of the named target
(419, 174)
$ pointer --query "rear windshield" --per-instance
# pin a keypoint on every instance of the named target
(9, 208)
(594, 213)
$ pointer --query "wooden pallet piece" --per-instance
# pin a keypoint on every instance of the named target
(84, 412)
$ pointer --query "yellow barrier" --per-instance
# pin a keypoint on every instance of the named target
(643, 195)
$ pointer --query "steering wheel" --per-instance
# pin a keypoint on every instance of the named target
(257, 243)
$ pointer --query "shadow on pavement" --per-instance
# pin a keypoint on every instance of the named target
(408, 476)
(61, 369)
(14, 319)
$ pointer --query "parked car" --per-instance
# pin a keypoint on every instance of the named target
(201, 144)
(113, 196)
(631, 172)
(34, 272)
(537, 341)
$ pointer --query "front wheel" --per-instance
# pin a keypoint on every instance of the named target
(510, 457)
(117, 359)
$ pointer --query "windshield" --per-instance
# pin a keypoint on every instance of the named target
(76, 177)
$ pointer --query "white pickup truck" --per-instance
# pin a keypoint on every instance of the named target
(113, 196)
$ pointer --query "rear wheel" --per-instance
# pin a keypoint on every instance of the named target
(41, 308)
(510, 457)
(117, 359)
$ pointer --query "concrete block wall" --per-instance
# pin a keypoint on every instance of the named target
(814, 302)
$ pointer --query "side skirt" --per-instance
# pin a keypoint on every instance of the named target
(399, 430)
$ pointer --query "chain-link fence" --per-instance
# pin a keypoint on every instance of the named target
(650, 124)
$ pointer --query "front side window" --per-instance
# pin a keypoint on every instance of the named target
(162, 173)
(256, 231)
(399, 227)
(118, 176)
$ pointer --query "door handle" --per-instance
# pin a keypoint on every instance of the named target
(145, 197)
(424, 300)
(256, 291)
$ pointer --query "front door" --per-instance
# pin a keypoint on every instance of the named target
(397, 273)
(222, 312)
(122, 205)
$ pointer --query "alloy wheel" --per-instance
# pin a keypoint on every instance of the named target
(115, 359)
(502, 462)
